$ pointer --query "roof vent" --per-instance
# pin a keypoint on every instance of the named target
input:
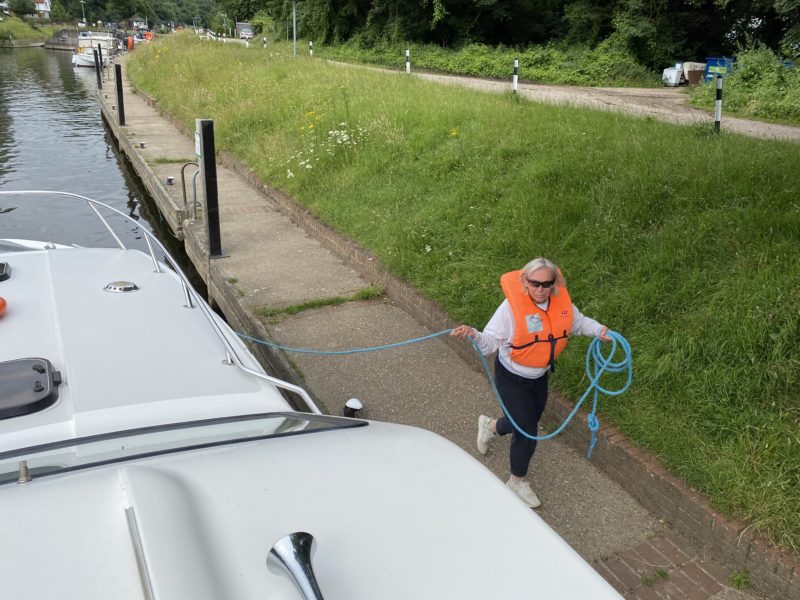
(119, 287)
(27, 385)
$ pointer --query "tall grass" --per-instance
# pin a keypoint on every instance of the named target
(682, 240)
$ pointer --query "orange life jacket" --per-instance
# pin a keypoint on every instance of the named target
(539, 335)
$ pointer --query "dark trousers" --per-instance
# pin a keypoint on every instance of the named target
(525, 400)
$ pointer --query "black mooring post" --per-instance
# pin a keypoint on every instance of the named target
(120, 101)
(97, 70)
(208, 166)
(100, 56)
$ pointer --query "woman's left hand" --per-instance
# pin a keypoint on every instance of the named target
(603, 334)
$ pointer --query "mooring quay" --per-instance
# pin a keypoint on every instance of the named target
(641, 528)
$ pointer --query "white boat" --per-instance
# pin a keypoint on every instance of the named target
(144, 453)
(90, 41)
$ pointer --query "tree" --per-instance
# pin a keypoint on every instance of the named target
(22, 7)
(57, 12)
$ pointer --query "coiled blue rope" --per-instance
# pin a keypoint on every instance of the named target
(596, 365)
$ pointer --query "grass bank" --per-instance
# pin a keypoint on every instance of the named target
(682, 240)
(12, 28)
(607, 65)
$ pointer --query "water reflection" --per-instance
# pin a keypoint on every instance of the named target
(52, 137)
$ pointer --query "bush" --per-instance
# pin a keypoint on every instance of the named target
(608, 64)
(760, 86)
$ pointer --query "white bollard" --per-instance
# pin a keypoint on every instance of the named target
(408, 60)
(310, 48)
(516, 73)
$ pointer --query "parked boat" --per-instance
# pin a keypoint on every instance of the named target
(88, 42)
(144, 453)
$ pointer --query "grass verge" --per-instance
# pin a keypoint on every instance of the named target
(22, 31)
(682, 240)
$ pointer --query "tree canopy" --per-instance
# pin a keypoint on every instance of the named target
(655, 31)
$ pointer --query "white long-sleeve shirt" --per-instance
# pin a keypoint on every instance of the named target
(499, 333)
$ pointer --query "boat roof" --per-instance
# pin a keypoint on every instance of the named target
(397, 513)
(126, 359)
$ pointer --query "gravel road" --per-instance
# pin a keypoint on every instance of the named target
(665, 104)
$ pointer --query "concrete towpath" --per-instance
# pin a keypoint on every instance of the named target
(274, 264)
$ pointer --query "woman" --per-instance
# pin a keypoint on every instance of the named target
(528, 330)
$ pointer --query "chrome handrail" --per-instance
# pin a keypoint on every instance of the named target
(188, 290)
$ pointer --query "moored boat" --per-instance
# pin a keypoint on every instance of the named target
(144, 453)
(88, 43)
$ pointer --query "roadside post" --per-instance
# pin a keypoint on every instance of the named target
(516, 73)
(265, 42)
(310, 48)
(97, 69)
(718, 105)
(206, 159)
(120, 101)
(408, 60)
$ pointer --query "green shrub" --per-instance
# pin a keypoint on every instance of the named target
(760, 86)
(609, 64)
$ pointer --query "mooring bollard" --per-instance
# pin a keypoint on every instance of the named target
(516, 73)
(120, 101)
(408, 60)
(97, 69)
(718, 104)
(310, 48)
(204, 148)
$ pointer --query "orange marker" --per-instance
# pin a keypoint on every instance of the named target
(3, 305)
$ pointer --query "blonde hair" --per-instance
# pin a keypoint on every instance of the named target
(545, 263)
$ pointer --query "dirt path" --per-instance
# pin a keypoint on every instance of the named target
(665, 104)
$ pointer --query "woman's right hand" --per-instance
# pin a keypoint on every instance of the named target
(464, 332)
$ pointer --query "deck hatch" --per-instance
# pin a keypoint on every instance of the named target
(27, 385)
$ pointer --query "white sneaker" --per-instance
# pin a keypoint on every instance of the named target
(524, 491)
(484, 433)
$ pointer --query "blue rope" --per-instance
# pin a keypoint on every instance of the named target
(596, 366)
(342, 352)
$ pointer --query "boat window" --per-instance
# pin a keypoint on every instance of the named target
(81, 453)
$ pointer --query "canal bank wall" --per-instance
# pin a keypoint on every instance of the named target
(623, 511)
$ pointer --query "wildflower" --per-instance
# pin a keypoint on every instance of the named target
(454, 133)
(427, 248)
(289, 174)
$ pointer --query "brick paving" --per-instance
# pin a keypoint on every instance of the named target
(663, 567)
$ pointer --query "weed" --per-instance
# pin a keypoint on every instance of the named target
(740, 579)
(368, 293)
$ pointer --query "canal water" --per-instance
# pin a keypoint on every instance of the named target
(52, 137)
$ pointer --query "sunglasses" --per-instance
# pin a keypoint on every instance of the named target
(544, 284)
